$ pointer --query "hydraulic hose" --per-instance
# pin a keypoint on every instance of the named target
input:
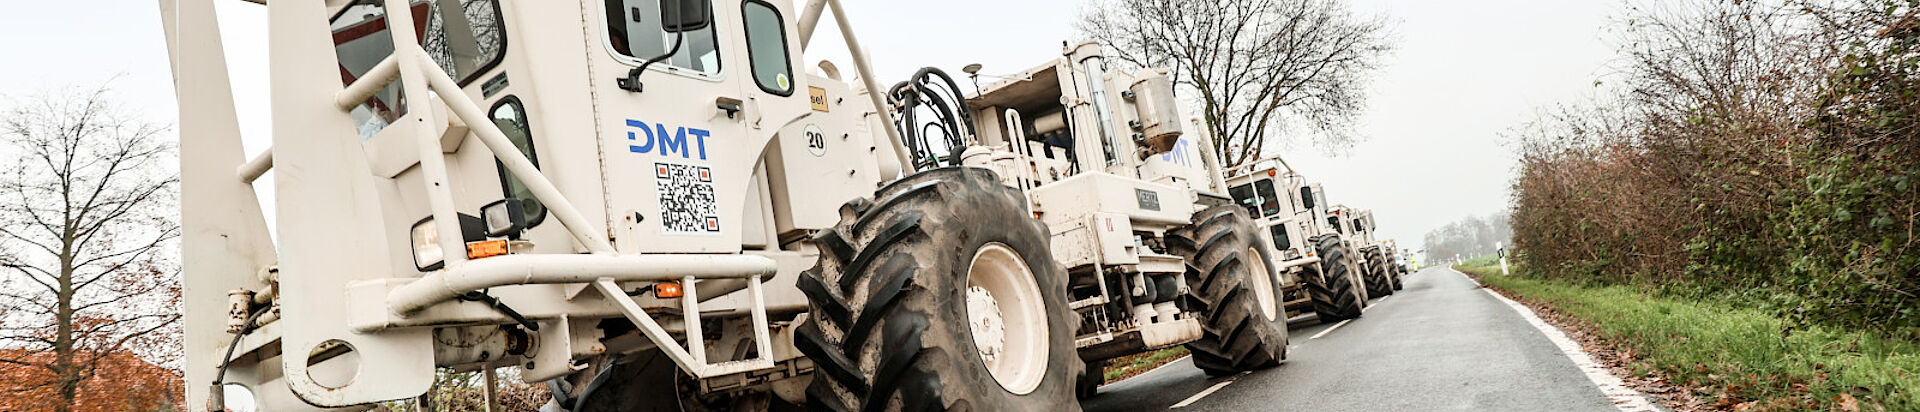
(949, 130)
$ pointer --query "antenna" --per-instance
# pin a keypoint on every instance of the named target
(973, 71)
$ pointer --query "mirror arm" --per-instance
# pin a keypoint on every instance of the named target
(631, 83)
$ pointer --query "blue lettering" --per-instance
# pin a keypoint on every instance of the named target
(1179, 154)
(643, 128)
(669, 143)
(701, 135)
(676, 143)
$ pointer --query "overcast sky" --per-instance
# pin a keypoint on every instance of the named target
(1464, 72)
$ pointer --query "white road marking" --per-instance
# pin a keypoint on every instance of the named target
(1617, 391)
(1196, 397)
(1324, 332)
(1376, 302)
(1149, 371)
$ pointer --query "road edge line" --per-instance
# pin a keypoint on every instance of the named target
(1616, 390)
(1203, 393)
(1335, 326)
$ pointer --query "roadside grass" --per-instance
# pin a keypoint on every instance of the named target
(1748, 358)
(1136, 364)
(1489, 261)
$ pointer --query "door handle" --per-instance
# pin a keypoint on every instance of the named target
(727, 104)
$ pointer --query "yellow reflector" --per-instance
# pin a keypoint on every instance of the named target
(486, 249)
(666, 290)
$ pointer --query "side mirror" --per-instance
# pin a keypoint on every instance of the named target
(1306, 196)
(685, 15)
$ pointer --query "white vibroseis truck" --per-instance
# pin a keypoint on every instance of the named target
(650, 205)
(1156, 255)
(1325, 274)
(1374, 257)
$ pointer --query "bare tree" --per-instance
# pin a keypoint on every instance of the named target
(1258, 67)
(1469, 237)
(87, 225)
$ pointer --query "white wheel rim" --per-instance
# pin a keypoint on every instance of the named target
(1263, 285)
(1007, 319)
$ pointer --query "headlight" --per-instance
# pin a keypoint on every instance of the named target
(427, 253)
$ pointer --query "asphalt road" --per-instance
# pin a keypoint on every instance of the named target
(1440, 344)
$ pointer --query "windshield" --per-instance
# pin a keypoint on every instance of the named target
(633, 30)
(464, 46)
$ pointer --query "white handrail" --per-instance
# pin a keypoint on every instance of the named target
(694, 358)
(536, 269)
(369, 83)
(252, 169)
(433, 165)
(874, 91)
(510, 156)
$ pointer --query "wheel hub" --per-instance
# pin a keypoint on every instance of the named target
(989, 328)
(1007, 318)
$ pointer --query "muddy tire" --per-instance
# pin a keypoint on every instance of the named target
(1233, 289)
(1379, 282)
(643, 382)
(902, 280)
(1394, 271)
(1330, 283)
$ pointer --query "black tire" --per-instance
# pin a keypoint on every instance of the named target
(1090, 380)
(1379, 283)
(642, 382)
(1330, 283)
(1394, 270)
(888, 326)
(1236, 333)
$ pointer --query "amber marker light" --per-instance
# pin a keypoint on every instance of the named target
(666, 290)
(486, 249)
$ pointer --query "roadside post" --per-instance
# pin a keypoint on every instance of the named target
(1503, 258)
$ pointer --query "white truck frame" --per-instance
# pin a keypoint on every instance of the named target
(340, 314)
(1106, 161)
(717, 265)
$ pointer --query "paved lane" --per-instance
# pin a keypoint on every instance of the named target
(1441, 344)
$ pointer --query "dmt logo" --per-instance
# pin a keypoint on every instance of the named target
(1179, 154)
(665, 143)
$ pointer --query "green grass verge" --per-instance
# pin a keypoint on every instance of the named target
(1733, 352)
(1135, 364)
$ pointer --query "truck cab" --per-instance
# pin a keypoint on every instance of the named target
(541, 185)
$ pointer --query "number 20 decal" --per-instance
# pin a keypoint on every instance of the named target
(816, 141)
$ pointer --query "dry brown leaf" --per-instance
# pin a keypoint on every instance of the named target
(1847, 403)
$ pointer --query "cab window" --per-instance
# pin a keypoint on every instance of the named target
(767, 47)
(634, 31)
(464, 37)
(1243, 194)
(1335, 222)
(1280, 240)
(1269, 201)
(511, 117)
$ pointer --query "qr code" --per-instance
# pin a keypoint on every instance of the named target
(686, 199)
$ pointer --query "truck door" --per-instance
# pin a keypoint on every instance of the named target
(680, 141)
